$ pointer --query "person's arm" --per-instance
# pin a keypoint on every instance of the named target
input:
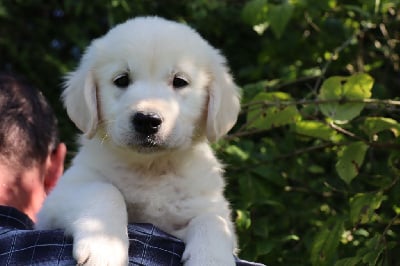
(21, 245)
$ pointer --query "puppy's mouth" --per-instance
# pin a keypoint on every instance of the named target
(147, 143)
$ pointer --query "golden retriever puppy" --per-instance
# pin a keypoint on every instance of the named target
(148, 96)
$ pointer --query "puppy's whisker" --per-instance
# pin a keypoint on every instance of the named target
(104, 138)
(104, 124)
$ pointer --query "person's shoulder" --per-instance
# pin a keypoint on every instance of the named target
(12, 218)
(32, 247)
(21, 245)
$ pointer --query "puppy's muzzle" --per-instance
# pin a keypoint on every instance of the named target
(146, 123)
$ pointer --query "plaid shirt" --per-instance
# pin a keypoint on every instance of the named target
(21, 245)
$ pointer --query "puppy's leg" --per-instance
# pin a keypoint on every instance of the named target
(210, 241)
(94, 213)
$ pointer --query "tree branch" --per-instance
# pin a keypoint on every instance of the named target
(379, 102)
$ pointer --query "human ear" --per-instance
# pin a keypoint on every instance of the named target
(54, 167)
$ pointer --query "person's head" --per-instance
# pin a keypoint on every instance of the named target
(31, 156)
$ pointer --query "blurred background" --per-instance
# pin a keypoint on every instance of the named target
(313, 164)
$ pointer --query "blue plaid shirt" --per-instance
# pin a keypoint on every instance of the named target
(21, 245)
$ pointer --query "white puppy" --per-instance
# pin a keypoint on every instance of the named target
(148, 96)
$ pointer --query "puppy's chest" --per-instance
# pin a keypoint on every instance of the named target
(155, 198)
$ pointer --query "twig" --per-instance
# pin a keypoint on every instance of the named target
(292, 154)
(344, 131)
(392, 221)
(319, 101)
(243, 133)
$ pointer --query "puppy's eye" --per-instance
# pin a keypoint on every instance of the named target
(122, 81)
(179, 82)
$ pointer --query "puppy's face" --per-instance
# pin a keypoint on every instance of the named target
(151, 84)
(151, 97)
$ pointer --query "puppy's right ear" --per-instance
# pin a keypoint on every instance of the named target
(80, 99)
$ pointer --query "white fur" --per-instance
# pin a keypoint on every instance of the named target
(177, 183)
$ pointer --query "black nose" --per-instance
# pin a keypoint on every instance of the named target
(146, 123)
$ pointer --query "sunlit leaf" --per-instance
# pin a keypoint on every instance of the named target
(316, 129)
(350, 160)
(237, 152)
(396, 209)
(275, 115)
(340, 94)
(374, 125)
(243, 220)
(363, 205)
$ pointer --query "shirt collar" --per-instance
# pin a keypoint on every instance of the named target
(13, 218)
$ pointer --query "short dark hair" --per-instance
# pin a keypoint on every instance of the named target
(28, 126)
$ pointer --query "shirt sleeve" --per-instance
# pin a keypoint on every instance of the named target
(149, 246)
(35, 247)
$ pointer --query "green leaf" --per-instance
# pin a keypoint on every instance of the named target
(363, 205)
(3, 11)
(274, 116)
(243, 220)
(279, 16)
(394, 161)
(261, 14)
(372, 251)
(265, 246)
(338, 90)
(237, 152)
(253, 190)
(316, 129)
(367, 255)
(348, 261)
(255, 12)
(260, 227)
(326, 241)
(374, 125)
(350, 160)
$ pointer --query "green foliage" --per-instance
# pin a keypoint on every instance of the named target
(350, 160)
(363, 205)
(321, 136)
(326, 241)
(317, 129)
(341, 92)
(313, 165)
(273, 116)
(262, 14)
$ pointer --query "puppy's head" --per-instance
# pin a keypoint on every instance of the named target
(152, 84)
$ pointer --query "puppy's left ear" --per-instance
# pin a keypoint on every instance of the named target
(80, 99)
(223, 103)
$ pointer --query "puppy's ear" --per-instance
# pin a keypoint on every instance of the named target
(223, 103)
(80, 99)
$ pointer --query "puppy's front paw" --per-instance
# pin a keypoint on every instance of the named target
(101, 250)
(202, 256)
